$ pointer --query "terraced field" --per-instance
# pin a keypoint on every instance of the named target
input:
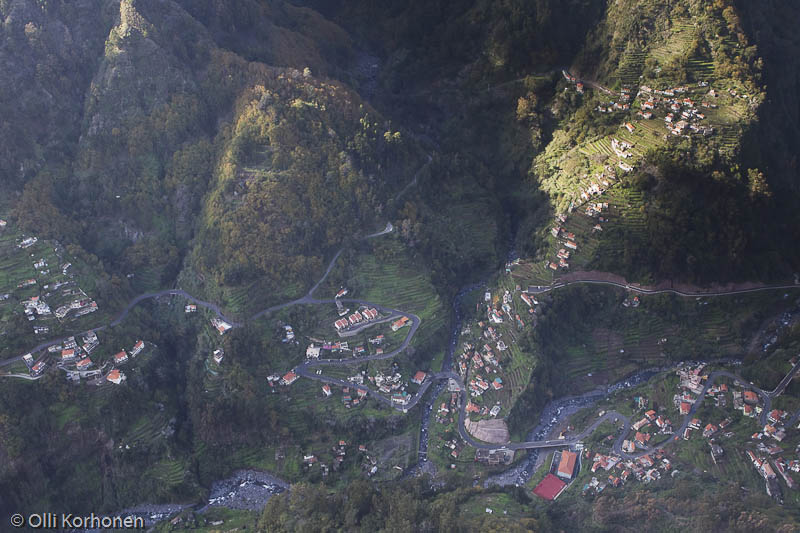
(631, 66)
(683, 33)
(146, 431)
(169, 473)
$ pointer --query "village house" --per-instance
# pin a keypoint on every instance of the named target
(220, 325)
(418, 378)
(401, 398)
(120, 357)
(312, 352)
(116, 377)
(566, 465)
(750, 397)
(137, 348)
(83, 364)
(289, 378)
(38, 368)
(402, 322)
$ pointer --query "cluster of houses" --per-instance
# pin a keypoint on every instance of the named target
(80, 306)
(770, 468)
(455, 446)
(683, 113)
(84, 367)
(359, 318)
(645, 469)
(766, 458)
(596, 210)
(624, 103)
(480, 360)
(447, 412)
(40, 306)
(579, 87)
(641, 439)
(354, 398)
(392, 384)
(339, 451)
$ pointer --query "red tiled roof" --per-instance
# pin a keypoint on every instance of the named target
(567, 464)
(549, 488)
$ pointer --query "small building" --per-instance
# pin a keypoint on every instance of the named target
(326, 390)
(83, 364)
(38, 368)
(400, 323)
(750, 397)
(289, 378)
(716, 452)
(115, 376)
(566, 466)
(312, 352)
(419, 377)
(67, 355)
(120, 357)
(190, 308)
(137, 348)
(550, 488)
(219, 355)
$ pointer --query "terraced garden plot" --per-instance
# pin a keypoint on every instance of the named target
(146, 431)
(701, 69)
(630, 67)
(532, 273)
(645, 137)
(679, 40)
(626, 217)
(168, 473)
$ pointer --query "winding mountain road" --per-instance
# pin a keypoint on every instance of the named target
(307, 368)
(540, 289)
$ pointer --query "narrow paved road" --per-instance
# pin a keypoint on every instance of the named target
(539, 289)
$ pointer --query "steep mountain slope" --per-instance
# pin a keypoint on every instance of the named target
(48, 54)
(231, 148)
